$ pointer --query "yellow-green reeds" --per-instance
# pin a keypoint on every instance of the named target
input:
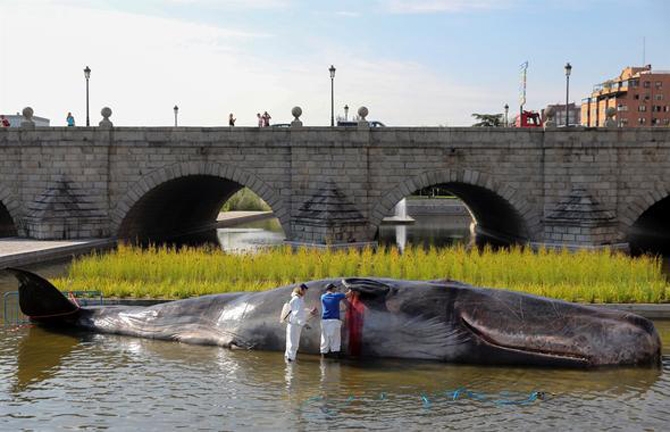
(164, 272)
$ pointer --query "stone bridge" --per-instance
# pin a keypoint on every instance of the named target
(333, 186)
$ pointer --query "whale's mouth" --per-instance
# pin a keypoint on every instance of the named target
(567, 358)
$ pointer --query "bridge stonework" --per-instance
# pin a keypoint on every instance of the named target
(331, 186)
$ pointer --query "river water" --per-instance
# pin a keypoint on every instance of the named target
(95, 382)
(81, 381)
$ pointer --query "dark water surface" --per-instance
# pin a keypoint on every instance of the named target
(93, 382)
(83, 381)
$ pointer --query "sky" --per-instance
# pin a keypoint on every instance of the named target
(410, 62)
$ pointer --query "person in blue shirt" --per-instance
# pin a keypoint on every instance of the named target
(330, 321)
(70, 120)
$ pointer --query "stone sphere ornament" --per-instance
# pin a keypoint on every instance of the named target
(363, 112)
(106, 113)
(28, 113)
(296, 112)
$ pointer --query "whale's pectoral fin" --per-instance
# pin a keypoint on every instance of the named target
(40, 300)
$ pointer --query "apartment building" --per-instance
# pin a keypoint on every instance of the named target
(640, 95)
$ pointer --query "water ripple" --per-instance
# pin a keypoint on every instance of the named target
(101, 382)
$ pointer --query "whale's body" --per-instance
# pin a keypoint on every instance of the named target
(433, 320)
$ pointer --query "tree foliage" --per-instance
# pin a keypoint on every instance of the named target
(488, 120)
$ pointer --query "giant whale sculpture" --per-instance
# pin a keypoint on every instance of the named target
(435, 320)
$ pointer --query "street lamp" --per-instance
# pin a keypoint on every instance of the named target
(506, 112)
(568, 69)
(332, 77)
(176, 111)
(346, 113)
(87, 75)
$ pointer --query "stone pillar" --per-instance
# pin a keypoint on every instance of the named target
(549, 123)
(610, 123)
(329, 220)
(579, 222)
(363, 113)
(296, 112)
(105, 123)
(28, 122)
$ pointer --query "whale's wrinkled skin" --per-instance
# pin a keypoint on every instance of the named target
(433, 320)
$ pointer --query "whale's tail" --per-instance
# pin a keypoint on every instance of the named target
(41, 301)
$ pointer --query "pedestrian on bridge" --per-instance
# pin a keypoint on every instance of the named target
(266, 119)
(70, 119)
(231, 120)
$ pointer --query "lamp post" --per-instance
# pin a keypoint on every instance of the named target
(568, 69)
(346, 113)
(506, 112)
(331, 69)
(87, 75)
(176, 111)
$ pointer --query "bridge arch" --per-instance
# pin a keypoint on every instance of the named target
(186, 193)
(497, 207)
(9, 208)
(646, 221)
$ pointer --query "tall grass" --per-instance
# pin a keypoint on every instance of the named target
(163, 272)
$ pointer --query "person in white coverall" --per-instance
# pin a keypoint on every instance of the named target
(296, 321)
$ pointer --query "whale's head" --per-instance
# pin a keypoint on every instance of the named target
(456, 322)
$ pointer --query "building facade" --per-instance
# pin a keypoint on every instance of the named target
(15, 120)
(640, 95)
(574, 115)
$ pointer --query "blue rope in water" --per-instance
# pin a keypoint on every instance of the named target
(426, 401)
(460, 393)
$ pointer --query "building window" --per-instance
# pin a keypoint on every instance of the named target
(646, 97)
(657, 108)
(641, 120)
(654, 121)
(658, 97)
(658, 84)
(642, 108)
(646, 84)
(637, 96)
(666, 122)
(666, 108)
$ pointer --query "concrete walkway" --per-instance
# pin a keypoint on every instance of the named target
(17, 251)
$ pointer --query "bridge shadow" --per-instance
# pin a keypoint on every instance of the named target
(486, 217)
(7, 228)
(650, 234)
(181, 211)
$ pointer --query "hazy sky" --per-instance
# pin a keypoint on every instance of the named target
(411, 62)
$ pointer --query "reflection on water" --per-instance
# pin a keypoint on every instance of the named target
(85, 381)
(251, 236)
(105, 381)
(427, 230)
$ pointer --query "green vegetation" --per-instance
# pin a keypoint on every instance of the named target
(488, 120)
(245, 200)
(585, 276)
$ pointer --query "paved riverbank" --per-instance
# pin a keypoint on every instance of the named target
(16, 251)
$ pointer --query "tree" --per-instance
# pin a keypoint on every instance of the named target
(488, 120)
